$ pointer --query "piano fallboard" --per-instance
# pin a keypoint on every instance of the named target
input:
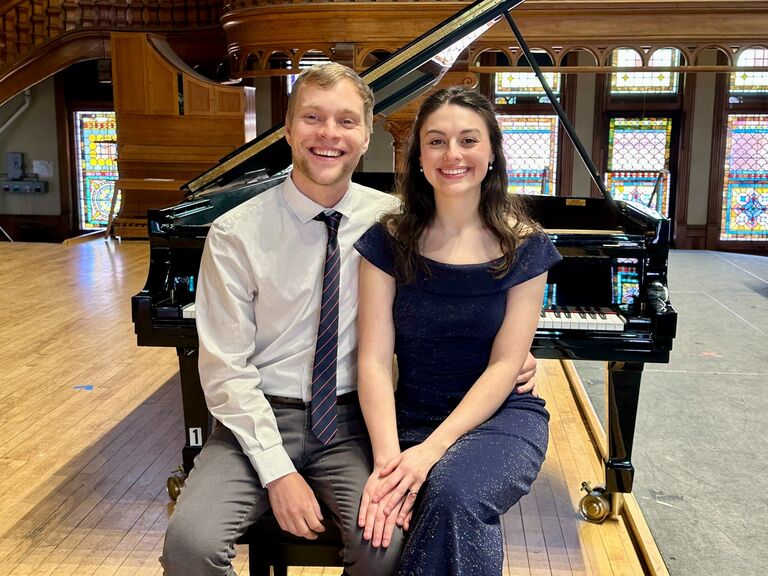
(639, 340)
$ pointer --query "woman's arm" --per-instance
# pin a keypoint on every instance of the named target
(510, 348)
(376, 343)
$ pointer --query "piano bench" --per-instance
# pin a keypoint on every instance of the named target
(269, 546)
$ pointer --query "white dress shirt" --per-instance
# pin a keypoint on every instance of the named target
(258, 308)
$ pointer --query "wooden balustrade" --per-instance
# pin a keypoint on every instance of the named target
(27, 24)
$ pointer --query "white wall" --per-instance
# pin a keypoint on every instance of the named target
(34, 134)
(701, 143)
(263, 88)
(380, 156)
(584, 126)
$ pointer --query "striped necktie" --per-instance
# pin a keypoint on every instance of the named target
(323, 404)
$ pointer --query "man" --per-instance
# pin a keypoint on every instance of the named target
(276, 309)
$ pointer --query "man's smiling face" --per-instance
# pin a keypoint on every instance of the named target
(328, 136)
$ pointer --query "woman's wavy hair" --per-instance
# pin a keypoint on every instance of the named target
(502, 213)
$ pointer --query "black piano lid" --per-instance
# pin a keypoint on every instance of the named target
(397, 79)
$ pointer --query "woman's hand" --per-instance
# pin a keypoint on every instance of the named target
(403, 476)
(526, 381)
(377, 526)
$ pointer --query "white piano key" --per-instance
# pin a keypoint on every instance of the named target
(188, 311)
(584, 319)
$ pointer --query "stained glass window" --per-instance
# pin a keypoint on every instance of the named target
(745, 191)
(510, 84)
(638, 160)
(626, 283)
(751, 82)
(96, 142)
(530, 147)
(657, 82)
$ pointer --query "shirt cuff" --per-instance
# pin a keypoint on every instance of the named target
(271, 464)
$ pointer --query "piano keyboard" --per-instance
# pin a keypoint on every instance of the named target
(581, 318)
(557, 318)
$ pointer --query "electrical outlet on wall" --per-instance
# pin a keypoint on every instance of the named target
(14, 165)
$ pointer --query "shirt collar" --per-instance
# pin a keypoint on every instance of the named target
(306, 209)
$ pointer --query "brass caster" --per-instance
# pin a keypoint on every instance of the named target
(175, 483)
(595, 506)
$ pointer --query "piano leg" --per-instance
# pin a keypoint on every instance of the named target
(197, 420)
(623, 391)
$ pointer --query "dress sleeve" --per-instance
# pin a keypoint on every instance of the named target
(375, 245)
(535, 256)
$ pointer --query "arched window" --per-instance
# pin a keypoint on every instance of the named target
(638, 161)
(745, 171)
(530, 148)
(643, 110)
(747, 82)
(529, 127)
(649, 82)
(96, 145)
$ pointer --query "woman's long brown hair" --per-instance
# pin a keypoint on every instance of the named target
(502, 213)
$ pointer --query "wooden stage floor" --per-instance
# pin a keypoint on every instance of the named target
(91, 427)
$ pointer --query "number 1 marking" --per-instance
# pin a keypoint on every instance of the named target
(195, 436)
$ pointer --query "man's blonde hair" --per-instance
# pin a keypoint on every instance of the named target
(327, 75)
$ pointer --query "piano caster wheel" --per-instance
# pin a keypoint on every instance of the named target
(595, 506)
(175, 483)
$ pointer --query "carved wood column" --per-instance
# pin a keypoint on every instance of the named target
(400, 129)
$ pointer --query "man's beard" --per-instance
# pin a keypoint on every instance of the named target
(301, 164)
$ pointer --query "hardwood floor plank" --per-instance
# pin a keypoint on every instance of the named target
(82, 471)
(515, 554)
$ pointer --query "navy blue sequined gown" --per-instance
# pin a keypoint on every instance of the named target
(445, 324)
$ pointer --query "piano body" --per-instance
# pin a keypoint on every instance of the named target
(606, 300)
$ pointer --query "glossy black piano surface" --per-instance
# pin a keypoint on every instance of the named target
(614, 266)
(597, 249)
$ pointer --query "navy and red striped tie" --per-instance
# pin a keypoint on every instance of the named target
(323, 404)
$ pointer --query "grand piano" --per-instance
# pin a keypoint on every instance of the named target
(607, 300)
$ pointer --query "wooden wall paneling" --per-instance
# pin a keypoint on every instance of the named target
(682, 189)
(175, 131)
(315, 24)
(160, 146)
(198, 98)
(229, 101)
(34, 228)
(260, 28)
(162, 84)
(716, 174)
(565, 152)
(600, 131)
(128, 73)
(204, 98)
(67, 187)
(50, 58)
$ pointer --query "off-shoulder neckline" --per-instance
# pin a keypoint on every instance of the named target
(470, 265)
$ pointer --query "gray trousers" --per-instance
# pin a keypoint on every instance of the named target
(223, 496)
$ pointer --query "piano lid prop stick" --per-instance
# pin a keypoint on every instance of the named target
(598, 180)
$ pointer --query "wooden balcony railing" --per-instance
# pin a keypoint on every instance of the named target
(27, 24)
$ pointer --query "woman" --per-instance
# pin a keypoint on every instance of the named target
(453, 285)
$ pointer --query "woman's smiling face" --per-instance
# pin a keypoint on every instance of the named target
(455, 150)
